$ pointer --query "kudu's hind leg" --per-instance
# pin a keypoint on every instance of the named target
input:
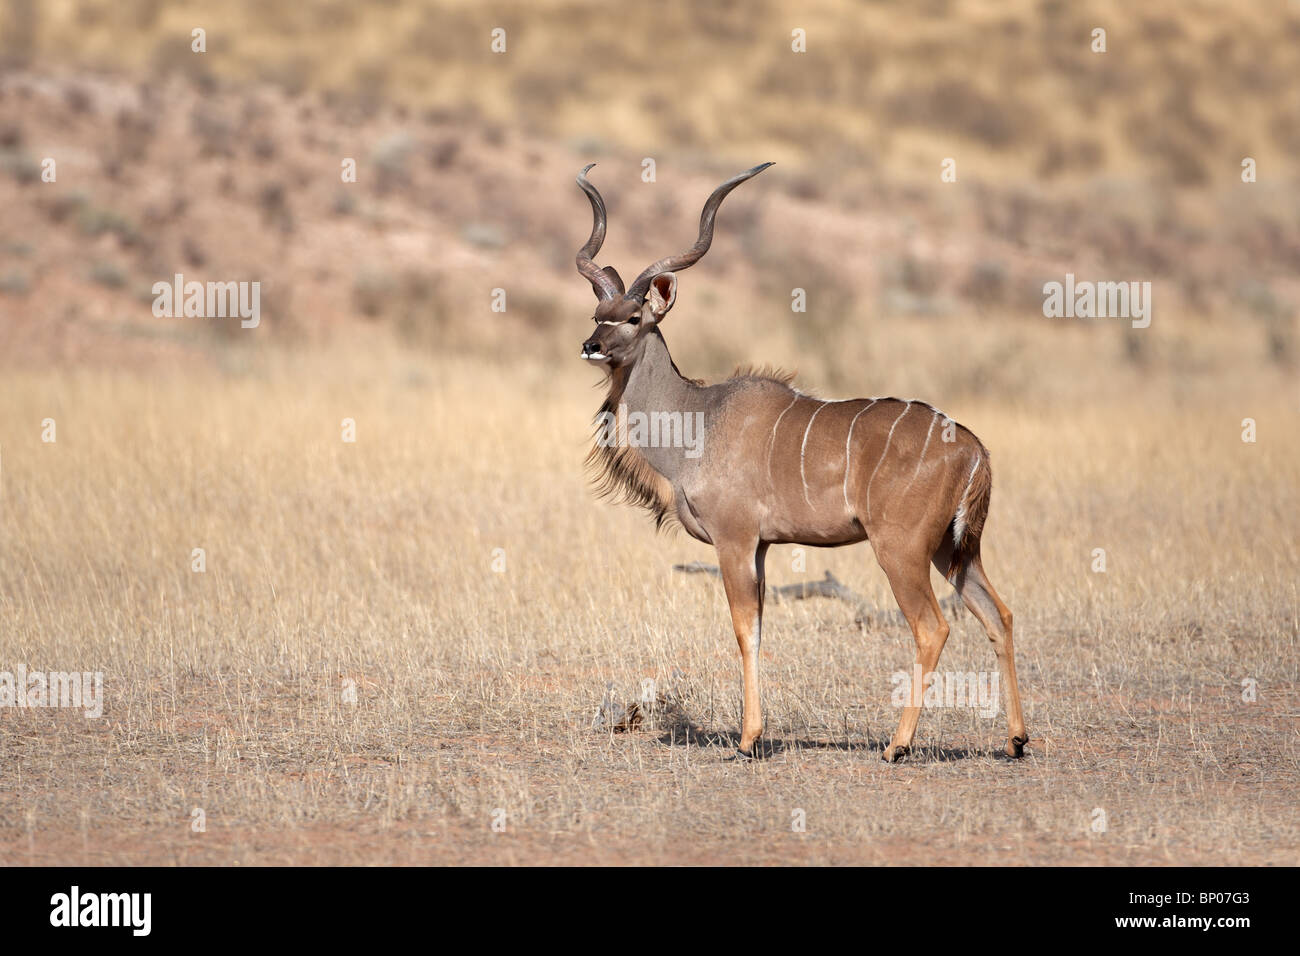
(743, 578)
(978, 595)
(909, 577)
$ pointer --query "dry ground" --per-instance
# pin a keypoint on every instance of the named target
(370, 565)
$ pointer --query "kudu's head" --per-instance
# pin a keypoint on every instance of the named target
(623, 319)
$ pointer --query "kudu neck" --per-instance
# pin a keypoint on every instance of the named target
(652, 383)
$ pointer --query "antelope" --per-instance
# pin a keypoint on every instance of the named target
(778, 466)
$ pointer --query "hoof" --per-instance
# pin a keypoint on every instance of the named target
(894, 754)
(1016, 746)
(754, 752)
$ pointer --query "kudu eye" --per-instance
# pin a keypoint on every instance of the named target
(635, 319)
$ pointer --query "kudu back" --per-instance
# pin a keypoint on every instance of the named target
(768, 464)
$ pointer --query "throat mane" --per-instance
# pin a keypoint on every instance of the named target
(618, 470)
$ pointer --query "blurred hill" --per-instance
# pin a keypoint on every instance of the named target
(1123, 165)
(1185, 89)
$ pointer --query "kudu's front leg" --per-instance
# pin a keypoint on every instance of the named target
(744, 581)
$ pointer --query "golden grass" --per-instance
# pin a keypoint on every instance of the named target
(371, 563)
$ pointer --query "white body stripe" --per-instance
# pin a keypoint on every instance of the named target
(771, 442)
(803, 477)
(928, 435)
(959, 520)
(888, 441)
(847, 448)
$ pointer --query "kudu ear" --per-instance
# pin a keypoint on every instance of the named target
(662, 294)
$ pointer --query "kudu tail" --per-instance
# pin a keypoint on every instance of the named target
(968, 523)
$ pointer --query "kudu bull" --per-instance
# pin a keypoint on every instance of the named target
(777, 466)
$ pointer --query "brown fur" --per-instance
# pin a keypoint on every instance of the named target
(624, 476)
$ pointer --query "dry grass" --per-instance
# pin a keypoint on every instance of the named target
(371, 562)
